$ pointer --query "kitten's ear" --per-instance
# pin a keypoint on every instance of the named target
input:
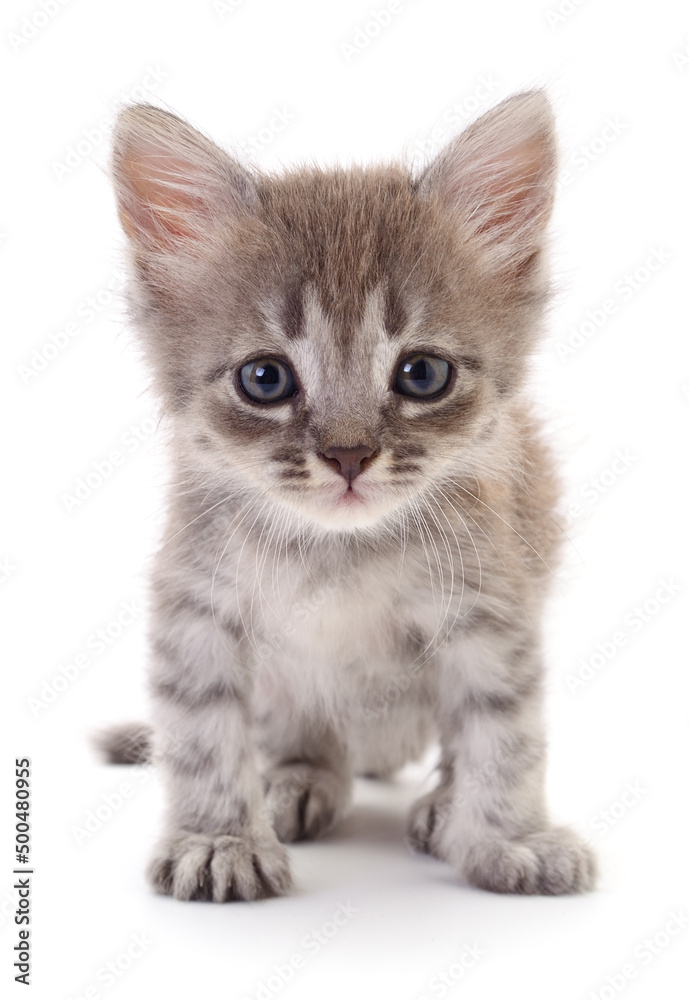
(498, 178)
(171, 182)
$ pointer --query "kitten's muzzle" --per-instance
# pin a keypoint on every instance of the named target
(349, 462)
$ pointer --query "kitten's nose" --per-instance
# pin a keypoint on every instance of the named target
(349, 462)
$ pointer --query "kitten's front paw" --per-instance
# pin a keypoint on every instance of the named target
(219, 867)
(303, 801)
(548, 863)
(427, 820)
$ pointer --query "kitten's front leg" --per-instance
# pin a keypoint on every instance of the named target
(218, 843)
(487, 817)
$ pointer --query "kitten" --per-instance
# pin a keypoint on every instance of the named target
(361, 533)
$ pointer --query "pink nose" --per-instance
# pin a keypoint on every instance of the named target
(349, 462)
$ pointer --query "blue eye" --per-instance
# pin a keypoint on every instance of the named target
(267, 380)
(422, 376)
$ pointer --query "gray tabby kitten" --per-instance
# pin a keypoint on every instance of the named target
(361, 535)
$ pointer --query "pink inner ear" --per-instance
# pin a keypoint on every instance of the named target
(161, 201)
(515, 192)
(506, 190)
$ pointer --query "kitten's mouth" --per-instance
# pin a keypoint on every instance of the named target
(345, 508)
(350, 497)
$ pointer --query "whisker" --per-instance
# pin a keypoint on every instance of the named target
(511, 527)
(195, 519)
(450, 559)
(476, 551)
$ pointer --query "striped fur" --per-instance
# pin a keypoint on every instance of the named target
(306, 628)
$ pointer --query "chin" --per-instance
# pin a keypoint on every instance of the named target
(344, 512)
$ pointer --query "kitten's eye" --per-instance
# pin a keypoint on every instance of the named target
(267, 380)
(422, 376)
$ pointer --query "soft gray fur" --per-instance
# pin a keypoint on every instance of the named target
(350, 572)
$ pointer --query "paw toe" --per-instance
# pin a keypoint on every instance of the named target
(550, 863)
(219, 868)
(304, 801)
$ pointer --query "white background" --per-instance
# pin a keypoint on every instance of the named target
(69, 572)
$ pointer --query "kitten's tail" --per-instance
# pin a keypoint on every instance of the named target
(126, 743)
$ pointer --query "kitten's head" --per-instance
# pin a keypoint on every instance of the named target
(337, 342)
